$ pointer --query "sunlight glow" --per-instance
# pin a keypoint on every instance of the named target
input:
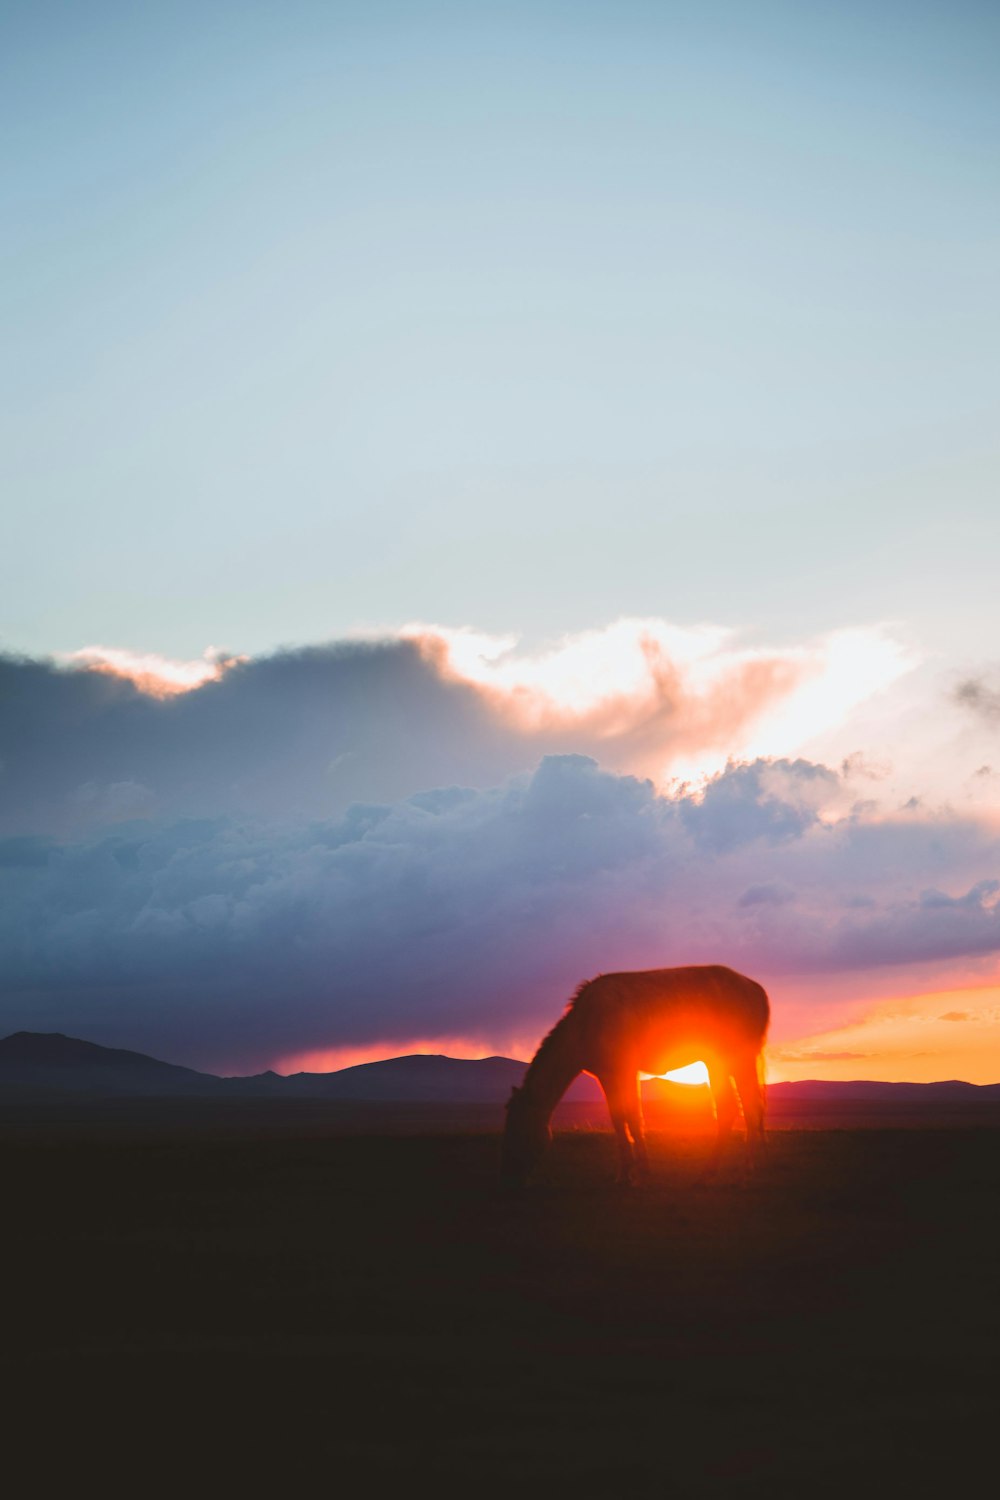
(949, 1033)
(855, 665)
(580, 673)
(673, 701)
(695, 1073)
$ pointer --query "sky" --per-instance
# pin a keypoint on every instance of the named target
(495, 493)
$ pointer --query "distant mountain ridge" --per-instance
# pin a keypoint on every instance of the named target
(38, 1065)
(870, 1088)
(420, 1077)
(47, 1062)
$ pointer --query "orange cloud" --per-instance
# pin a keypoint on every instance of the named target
(157, 676)
(665, 701)
(649, 698)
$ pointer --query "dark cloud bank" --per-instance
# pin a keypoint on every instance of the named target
(299, 733)
(238, 875)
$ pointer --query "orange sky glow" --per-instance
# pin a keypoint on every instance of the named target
(910, 1038)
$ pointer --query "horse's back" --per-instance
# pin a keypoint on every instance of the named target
(709, 995)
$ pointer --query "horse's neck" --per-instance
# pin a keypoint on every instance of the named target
(554, 1065)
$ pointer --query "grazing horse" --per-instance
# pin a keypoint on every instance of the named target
(620, 1025)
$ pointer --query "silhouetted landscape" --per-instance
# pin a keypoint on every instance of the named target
(267, 1292)
(281, 1276)
(39, 1068)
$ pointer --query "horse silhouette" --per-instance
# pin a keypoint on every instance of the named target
(652, 1021)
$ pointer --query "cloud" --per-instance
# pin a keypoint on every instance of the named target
(157, 676)
(858, 764)
(305, 733)
(981, 699)
(932, 925)
(792, 1054)
(114, 801)
(298, 734)
(772, 895)
(357, 845)
(771, 800)
(461, 911)
(651, 697)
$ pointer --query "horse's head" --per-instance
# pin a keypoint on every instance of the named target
(525, 1138)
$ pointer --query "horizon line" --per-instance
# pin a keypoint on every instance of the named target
(490, 1057)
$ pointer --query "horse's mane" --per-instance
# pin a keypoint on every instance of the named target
(551, 1040)
(583, 985)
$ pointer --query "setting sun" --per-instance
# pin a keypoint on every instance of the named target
(695, 1072)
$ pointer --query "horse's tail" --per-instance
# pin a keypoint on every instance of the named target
(762, 1082)
(765, 1013)
(761, 1060)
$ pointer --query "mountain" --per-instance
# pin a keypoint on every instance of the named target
(37, 1064)
(417, 1078)
(951, 1091)
(47, 1064)
(40, 1065)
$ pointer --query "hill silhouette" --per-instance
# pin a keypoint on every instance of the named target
(418, 1077)
(48, 1064)
(38, 1065)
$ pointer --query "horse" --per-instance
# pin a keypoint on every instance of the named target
(648, 1021)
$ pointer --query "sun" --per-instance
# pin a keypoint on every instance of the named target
(695, 1072)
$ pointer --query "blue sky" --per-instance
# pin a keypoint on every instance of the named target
(520, 317)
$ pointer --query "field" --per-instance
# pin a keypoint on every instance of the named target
(318, 1297)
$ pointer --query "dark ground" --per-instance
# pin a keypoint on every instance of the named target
(320, 1298)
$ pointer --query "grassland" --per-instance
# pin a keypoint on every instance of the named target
(292, 1301)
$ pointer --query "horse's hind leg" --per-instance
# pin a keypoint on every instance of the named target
(752, 1099)
(724, 1099)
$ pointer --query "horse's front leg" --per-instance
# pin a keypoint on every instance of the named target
(617, 1094)
(626, 1158)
